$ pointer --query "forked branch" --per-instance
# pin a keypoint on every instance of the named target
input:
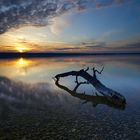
(96, 71)
(101, 88)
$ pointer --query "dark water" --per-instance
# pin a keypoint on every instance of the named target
(32, 106)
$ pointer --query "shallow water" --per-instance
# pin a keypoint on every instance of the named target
(33, 107)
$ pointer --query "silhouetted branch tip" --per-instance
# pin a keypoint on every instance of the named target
(86, 69)
(95, 70)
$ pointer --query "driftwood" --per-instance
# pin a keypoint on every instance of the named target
(108, 95)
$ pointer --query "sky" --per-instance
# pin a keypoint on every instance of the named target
(69, 26)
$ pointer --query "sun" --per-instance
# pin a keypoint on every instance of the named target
(21, 48)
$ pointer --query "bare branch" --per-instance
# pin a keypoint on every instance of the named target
(78, 84)
(76, 81)
(94, 74)
(86, 69)
(99, 72)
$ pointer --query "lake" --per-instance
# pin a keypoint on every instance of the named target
(34, 106)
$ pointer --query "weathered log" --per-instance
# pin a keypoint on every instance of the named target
(105, 91)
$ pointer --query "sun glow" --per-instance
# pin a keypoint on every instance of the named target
(22, 48)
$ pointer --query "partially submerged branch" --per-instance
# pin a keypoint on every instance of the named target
(101, 88)
(94, 99)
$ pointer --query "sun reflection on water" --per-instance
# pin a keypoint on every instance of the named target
(22, 65)
(23, 62)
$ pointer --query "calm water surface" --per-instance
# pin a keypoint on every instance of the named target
(33, 107)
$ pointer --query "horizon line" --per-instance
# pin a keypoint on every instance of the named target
(60, 54)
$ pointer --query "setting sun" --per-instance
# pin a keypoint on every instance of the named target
(21, 48)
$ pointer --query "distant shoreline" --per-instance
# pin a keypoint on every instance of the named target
(36, 55)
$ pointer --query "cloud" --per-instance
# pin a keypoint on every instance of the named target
(107, 3)
(96, 45)
(58, 25)
(68, 48)
(128, 45)
(18, 13)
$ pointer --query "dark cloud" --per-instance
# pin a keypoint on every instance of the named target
(17, 13)
(130, 47)
(104, 3)
(107, 3)
(68, 48)
(98, 45)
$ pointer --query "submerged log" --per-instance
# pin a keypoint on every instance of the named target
(101, 88)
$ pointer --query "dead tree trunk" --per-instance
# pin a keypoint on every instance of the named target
(105, 91)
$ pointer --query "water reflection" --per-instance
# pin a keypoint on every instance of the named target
(32, 105)
(15, 95)
(121, 72)
(21, 62)
(39, 69)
